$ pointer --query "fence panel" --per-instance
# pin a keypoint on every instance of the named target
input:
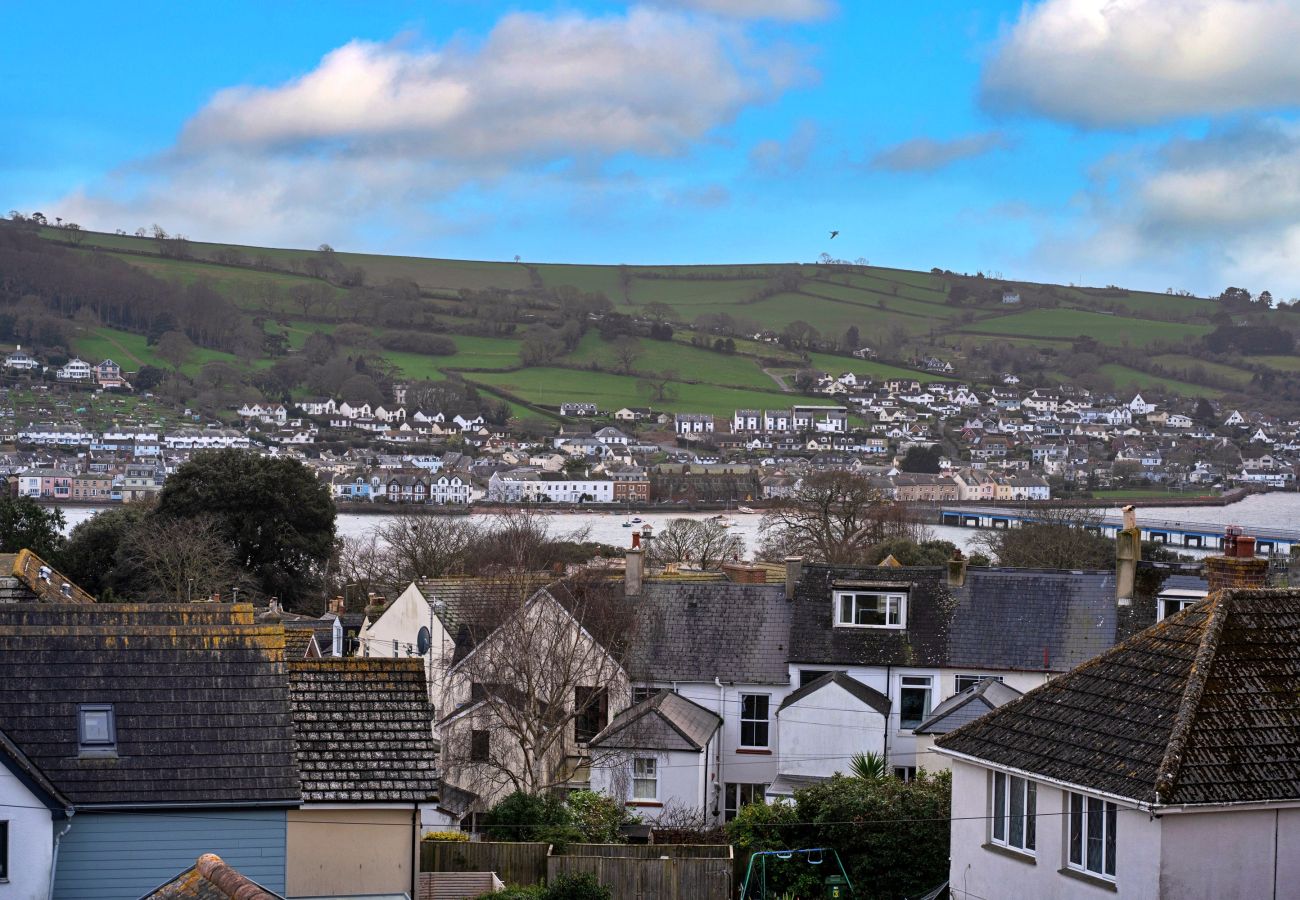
(655, 872)
(514, 863)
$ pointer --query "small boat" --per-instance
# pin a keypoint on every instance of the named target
(745, 509)
(627, 524)
(636, 520)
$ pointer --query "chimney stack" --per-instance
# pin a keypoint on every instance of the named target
(793, 571)
(336, 606)
(1238, 567)
(634, 570)
(1128, 552)
(957, 569)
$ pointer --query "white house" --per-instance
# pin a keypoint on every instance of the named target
(659, 754)
(33, 818)
(822, 725)
(75, 370)
(20, 361)
(693, 423)
(1125, 778)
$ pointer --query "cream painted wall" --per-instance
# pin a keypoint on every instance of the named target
(821, 732)
(352, 850)
(1231, 854)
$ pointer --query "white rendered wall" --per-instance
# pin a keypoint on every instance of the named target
(822, 731)
(31, 840)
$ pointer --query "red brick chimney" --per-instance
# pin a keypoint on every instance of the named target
(1238, 567)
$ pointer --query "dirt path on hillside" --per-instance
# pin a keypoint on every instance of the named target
(779, 379)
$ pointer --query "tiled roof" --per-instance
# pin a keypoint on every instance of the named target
(211, 878)
(199, 694)
(25, 577)
(363, 729)
(665, 721)
(1203, 707)
(868, 695)
(689, 631)
(298, 640)
(969, 704)
(471, 607)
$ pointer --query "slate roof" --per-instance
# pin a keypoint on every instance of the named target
(1000, 618)
(298, 640)
(974, 701)
(199, 693)
(1032, 619)
(363, 730)
(33, 778)
(471, 608)
(1202, 707)
(868, 695)
(211, 878)
(688, 631)
(930, 607)
(665, 721)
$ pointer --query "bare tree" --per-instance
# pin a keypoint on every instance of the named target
(834, 517)
(704, 543)
(539, 684)
(627, 350)
(175, 348)
(423, 545)
(175, 560)
(1061, 538)
(658, 385)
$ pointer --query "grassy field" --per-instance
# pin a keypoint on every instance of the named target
(130, 351)
(838, 365)
(1280, 363)
(684, 361)
(1126, 379)
(1114, 331)
(1145, 494)
(552, 386)
(1183, 365)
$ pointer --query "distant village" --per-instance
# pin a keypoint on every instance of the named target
(926, 441)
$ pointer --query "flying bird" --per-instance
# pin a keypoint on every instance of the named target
(833, 234)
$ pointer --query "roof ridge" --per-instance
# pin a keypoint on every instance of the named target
(1190, 704)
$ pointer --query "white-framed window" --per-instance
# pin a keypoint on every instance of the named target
(914, 692)
(739, 794)
(1171, 602)
(1015, 812)
(870, 609)
(969, 681)
(754, 722)
(645, 778)
(1092, 835)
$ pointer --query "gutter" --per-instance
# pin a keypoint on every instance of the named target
(224, 804)
(58, 839)
(1036, 776)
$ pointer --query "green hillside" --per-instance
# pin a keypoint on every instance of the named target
(537, 334)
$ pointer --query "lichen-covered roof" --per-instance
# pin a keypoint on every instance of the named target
(1203, 707)
(363, 729)
(199, 693)
(211, 878)
(25, 578)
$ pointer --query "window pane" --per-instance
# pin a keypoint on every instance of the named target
(1112, 813)
(999, 807)
(846, 609)
(1017, 823)
(760, 706)
(892, 606)
(1076, 829)
(1031, 816)
(1095, 824)
(94, 726)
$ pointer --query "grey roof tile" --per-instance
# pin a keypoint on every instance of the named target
(665, 721)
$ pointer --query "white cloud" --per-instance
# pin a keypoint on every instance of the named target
(782, 10)
(390, 127)
(928, 155)
(1106, 63)
(1222, 209)
(776, 157)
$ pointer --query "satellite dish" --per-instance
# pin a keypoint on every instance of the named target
(423, 641)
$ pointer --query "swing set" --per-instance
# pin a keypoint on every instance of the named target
(813, 856)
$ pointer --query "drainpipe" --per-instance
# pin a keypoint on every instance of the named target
(415, 858)
(54, 861)
(722, 731)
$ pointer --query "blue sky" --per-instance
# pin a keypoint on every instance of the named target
(1149, 143)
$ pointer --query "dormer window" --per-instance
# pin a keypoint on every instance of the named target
(96, 730)
(870, 609)
(1175, 601)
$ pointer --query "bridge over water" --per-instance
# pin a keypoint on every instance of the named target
(1181, 533)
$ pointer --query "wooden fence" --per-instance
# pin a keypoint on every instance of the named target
(651, 871)
(513, 863)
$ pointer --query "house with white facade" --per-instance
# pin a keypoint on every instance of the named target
(75, 370)
(21, 361)
(1157, 770)
(693, 423)
(32, 813)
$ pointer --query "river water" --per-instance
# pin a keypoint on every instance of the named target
(1258, 510)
